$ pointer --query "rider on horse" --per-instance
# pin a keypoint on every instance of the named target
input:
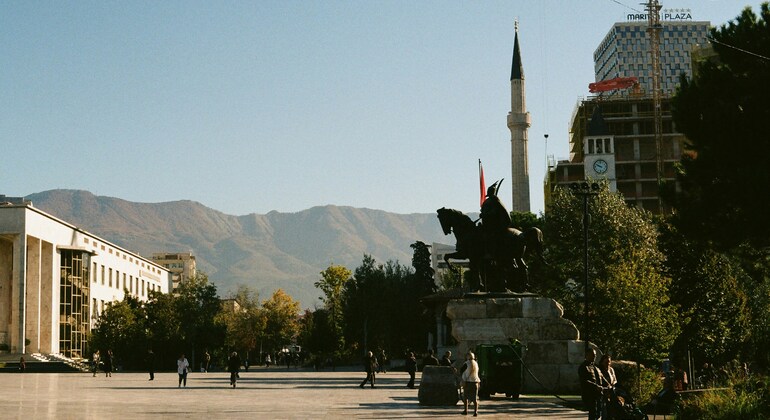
(495, 220)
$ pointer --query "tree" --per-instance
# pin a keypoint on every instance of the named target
(712, 304)
(724, 111)
(164, 328)
(197, 305)
(524, 219)
(246, 324)
(121, 328)
(281, 320)
(332, 284)
(423, 269)
(625, 278)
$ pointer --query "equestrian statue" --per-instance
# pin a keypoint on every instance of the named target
(494, 249)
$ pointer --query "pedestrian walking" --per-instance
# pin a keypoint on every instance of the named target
(182, 366)
(411, 368)
(95, 362)
(471, 383)
(108, 360)
(151, 364)
(370, 366)
(382, 359)
(233, 366)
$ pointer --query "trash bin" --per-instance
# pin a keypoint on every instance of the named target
(499, 369)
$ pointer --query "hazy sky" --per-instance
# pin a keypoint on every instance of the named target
(253, 106)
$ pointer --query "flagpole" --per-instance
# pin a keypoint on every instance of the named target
(482, 185)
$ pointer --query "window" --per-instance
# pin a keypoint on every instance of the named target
(102, 274)
(110, 284)
(74, 303)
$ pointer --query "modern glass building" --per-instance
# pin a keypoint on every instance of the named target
(624, 52)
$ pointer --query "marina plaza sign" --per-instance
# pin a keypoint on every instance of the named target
(666, 14)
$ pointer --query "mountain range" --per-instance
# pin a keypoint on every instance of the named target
(263, 251)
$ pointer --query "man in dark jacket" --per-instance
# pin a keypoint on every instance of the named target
(233, 366)
(430, 359)
(411, 368)
(592, 384)
(370, 366)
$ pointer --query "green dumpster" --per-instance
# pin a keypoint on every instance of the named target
(499, 369)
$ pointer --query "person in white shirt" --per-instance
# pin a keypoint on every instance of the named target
(471, 383)
(182, 366)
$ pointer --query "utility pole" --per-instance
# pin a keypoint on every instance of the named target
(653, 29)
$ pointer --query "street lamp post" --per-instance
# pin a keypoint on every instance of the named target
(585, 189)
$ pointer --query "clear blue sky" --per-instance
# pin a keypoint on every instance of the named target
(253, 106)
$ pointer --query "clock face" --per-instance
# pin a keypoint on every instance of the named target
(600, 166)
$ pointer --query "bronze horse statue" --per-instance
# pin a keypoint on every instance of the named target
(495, 267)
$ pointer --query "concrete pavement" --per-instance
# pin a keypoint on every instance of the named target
(273, 394)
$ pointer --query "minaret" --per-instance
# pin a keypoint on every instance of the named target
(518, 123)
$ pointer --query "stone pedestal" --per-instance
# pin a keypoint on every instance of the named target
(552, 350)
(438, 386)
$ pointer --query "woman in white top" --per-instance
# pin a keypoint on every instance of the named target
(471, 383)
(181, 367)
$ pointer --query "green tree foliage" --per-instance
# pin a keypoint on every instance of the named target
(332, 284)
(281, 320)
(164, 328)
(450, 279)
(712, 304)
(244, 322)
(422, 277)
(624, 267)
(756, 284)
(371, 304)
(121, 328)
(724, 112)
(197, 306)
(524, 219)
(316, 334)
(382, 306)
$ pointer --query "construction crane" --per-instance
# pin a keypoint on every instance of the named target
(653, 29)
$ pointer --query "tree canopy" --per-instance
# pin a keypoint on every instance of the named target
(724, 112)
(624, 274)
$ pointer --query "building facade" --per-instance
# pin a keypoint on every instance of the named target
(612, 135)
(55, 280)
(181, 265)
(625, 51)
(614, 140)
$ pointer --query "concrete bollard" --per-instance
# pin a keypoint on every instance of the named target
(438, 386)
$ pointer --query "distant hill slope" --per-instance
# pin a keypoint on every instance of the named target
(265, 252)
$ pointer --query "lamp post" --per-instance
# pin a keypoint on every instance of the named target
(585, 189)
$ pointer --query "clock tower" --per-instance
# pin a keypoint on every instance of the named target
(599, 151)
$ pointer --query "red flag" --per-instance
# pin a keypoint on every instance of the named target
(482, 185)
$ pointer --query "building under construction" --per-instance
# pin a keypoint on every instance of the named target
(625, 134)
(614, 139)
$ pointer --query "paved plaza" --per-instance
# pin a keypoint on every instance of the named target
(268, 394)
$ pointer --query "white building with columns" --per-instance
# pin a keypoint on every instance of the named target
(55, 279)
